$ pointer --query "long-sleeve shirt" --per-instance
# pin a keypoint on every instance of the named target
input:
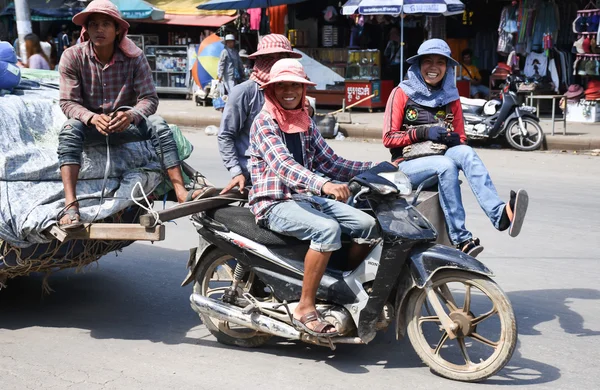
(229, 63)
(398, 131)
(276, 175)
(87, 87)
(243, 105)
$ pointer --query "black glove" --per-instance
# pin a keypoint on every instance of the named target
(451, 139)
(436, 134)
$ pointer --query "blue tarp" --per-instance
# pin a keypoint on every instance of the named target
(60, 9)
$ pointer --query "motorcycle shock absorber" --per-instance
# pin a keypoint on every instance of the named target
(231, 294)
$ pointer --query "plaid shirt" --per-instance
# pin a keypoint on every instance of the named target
(88, 88)
(276, 176)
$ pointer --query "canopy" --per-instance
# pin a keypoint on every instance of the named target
(395, 7)
(243, 4)
(49, 9)
(187, 7)
(138, 9)
(193, 20)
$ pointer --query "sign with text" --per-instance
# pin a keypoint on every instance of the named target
(357, 91)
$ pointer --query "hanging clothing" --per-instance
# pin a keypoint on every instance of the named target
(277, 19)
(546, 21)
(530, 65)
(264, 27)
(254, 18)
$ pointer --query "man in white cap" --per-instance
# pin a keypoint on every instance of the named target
(230, 71)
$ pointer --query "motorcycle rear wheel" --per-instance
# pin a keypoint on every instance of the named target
(476, 332)
(532, 141)
(213, 277)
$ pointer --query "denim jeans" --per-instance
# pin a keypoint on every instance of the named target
(74, 134)
(446, 167)
(322, 221)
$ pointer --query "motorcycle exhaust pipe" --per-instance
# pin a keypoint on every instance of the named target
(235, 315)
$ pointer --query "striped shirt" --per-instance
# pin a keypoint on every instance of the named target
(276, 175)
(87, 87)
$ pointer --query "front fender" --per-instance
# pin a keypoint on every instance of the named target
(426, 260)
(194, 260)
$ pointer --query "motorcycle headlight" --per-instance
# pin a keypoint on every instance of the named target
(399, 179)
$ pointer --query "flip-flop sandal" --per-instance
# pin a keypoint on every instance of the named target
(207, 193)
(73, 216)
(520, 209)
(471, 247)
(319, 331)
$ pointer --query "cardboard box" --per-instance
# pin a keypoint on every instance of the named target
(584, 111)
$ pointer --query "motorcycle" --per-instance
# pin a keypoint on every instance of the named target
(495, 118)
(248, 281)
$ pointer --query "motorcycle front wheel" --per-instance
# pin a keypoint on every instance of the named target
(214, 276)
(532, 141)
(487, 329)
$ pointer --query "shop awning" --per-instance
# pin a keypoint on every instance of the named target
(193, 20)
(394, 7)
(49, 9)
(138, 9)
(187, 7)
(243, 4)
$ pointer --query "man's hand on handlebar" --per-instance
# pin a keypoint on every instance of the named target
(341, 192)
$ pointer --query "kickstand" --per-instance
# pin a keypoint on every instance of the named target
(331, 344)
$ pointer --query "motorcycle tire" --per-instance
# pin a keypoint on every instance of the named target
(444, 358)
(533, 140)
(222, 330)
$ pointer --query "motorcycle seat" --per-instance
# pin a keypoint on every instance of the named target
(473, 102)
(240, 220)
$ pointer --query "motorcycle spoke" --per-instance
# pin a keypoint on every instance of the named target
(444, 293)
(429, 319)
(463, 350)
(483, 340)
(485, 316)
(216, 290)
(441, 343)
(467, 304)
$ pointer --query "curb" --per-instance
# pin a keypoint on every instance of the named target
(552, 142)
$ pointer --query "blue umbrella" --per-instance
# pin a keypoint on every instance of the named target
(398, 7)
(244, 4)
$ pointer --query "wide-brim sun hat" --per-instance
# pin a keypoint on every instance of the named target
(104, 7)
(274, 43)
(287, 70)
(574, 91)
(434, 46)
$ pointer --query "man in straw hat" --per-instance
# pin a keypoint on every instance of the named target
(230, 70)
(97, 77)
(244, 103)
(286, 149)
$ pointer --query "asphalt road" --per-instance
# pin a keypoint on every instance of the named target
(126, 323)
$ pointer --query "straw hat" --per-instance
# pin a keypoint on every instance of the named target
(274, 43)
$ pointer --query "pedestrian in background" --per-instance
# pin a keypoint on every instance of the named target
(64, 41)
(36, 58)
(231, 70)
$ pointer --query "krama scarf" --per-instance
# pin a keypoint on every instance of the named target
(422, 93)
(262, 69)
(289, 121)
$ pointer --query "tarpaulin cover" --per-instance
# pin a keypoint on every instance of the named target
(31, 191)
(49, 8)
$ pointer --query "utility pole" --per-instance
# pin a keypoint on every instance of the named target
(23, 25)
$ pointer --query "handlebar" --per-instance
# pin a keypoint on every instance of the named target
(354, 188)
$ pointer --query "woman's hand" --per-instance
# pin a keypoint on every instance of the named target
(436, 134)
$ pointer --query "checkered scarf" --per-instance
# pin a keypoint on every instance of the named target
(262, 68)
(289, 121)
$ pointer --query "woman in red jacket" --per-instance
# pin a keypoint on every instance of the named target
(426, 107)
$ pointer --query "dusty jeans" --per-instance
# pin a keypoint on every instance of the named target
(74, 135)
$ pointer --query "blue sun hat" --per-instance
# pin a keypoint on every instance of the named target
(434, 46)
(10, 73)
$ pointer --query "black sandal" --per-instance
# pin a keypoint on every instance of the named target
(471, 247)
(73, 215)
(519, 201)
